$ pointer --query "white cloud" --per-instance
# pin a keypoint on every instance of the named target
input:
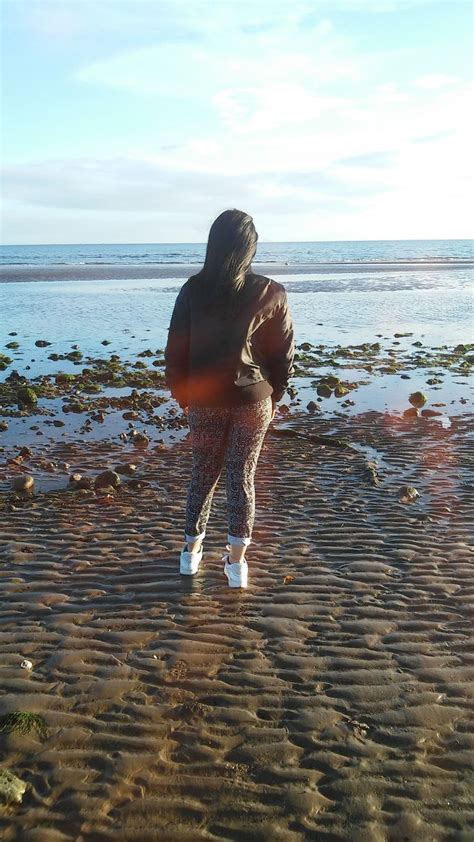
(434, 81)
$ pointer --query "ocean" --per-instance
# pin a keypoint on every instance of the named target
(380, 251)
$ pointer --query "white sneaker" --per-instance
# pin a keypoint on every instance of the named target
(237, 572)
(189, 562)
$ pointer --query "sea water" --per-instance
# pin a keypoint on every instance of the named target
(371, 291)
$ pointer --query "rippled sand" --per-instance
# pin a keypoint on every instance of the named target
(330, 701)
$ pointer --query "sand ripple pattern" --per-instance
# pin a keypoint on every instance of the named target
(331, 701)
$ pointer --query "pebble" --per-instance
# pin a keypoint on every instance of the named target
(12, 789)
(23, 483)
(106, 479)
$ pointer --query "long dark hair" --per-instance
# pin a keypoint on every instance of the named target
(231, 247)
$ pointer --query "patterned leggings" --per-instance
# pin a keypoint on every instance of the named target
(232, 436)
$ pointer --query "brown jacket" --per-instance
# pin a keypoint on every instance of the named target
(208, 355)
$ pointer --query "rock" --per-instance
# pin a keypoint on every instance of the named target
(3, 426)
(460, 349)
(411, 413)
(107, 490)
(12, 345)
(42, 343)
(84, 484)
(25, 451)
(23, 483)
(126, 468)
(372, 474)
(417, 399)
(58, 423)
(62, 377)
(430, 413)
(4, 361)
(105, 342)
(312, 406)
(26, 664)
(12, 789)
(405, 376)
(26, 395)
(130, 415)
(341, 390)
(107, 478)
(138, 483)
(408, 494)
(417, 344)
(323, 390)
(75, 477)
(73, 356)
(140, 439)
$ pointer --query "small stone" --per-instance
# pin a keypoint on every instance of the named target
(105, 342)
(25, 451)
(12, 789)
(3, 426)
(408, 494)
(63, 378)
(341, 390)
(312, 407)
(27, 396)
(430, 413)
(417, 399)
(26, 664)
(140, 439)
(323, 390)
(58, 423)
(23, 483)
(75, 477)
(107, 478)
(411, 413)
(126, 468)
(84, 484)
(42, 343)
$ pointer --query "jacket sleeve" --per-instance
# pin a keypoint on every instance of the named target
(279, 347)
(177, 350)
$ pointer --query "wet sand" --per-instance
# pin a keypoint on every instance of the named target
(113, 271)
(330, 701)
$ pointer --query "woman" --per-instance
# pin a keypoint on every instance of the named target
(228, 359)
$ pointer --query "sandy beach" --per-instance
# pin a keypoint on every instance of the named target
(332, 700)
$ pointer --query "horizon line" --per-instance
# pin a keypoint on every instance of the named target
(263, 242)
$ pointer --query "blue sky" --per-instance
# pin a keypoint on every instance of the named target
(141, 120)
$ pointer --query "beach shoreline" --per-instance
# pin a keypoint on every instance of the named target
(172, 271)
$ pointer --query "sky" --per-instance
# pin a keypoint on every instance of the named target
(139, 121)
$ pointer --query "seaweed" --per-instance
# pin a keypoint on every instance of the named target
(22, 722)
